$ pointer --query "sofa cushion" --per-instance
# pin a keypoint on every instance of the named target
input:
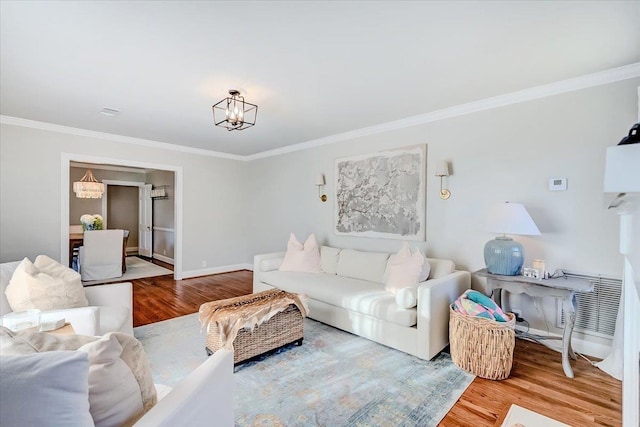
(302, 257)
(49, 289)
(353, 294)
(113, 318)
(440, 267)
(43, 389)
(368, 266)
(329, 259)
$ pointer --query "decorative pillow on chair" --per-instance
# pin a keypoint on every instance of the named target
(120, 384)
(46, 285)
(304, 258)
(403, 269)
(45, 389)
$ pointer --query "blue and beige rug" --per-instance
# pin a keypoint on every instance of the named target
(333, 379)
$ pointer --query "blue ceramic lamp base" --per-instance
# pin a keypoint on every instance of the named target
(503, 256)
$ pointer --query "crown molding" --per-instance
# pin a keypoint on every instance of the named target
(17, 121)
(583, 82)
(564, 86)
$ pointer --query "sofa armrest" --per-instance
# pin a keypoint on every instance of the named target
(434, 298)
(112, 295)
(85, 320)
(203, 398)
(258, 267)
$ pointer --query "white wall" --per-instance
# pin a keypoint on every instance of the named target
(30, 205)
(502, 154)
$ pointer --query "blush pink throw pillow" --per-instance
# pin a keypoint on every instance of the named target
(403, 270)
(302, 257)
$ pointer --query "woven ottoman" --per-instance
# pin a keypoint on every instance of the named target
(254, 324)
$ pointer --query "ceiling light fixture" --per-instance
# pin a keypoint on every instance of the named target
(88, 187)
(234, 113)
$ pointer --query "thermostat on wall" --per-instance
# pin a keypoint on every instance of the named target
(557, 184)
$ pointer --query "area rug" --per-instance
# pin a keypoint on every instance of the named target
(333, 379)
(522, 417)
(136, 269)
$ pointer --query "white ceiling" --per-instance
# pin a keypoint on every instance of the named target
(315, 69)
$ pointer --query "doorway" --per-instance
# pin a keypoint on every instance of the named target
(138, 172)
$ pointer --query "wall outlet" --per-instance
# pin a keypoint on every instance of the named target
(164, 252)
(204, 263)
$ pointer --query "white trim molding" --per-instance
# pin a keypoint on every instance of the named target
(163, 258)
(564, 86)
(165, 229)
(65, 165)
(216, 270)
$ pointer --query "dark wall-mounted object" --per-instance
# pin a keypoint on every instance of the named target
(633, 137)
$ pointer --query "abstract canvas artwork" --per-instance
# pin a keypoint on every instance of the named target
(382, 194)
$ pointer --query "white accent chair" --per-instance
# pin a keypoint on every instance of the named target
(110, 306)
(101, 255)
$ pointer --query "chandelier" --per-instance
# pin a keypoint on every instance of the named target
(88, 187)
(234, 113)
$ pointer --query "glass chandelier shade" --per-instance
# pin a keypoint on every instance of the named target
(234, 113)
(88, 187)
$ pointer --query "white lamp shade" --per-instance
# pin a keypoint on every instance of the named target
(320, 179)
(442, 168)
(622, 169)
(511, 218)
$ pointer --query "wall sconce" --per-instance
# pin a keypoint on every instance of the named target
(443, 170)
(320, 182)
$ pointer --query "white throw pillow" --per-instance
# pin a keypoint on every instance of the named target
(403, 270)
(426, 268)
(329, 259)
(53, 288)
(303, 258)
(45, 389)
(407, 297)
(270, 264)
(119, 380)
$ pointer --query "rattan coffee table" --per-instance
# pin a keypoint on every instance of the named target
(248, 325)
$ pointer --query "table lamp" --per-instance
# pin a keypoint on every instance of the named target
(503, 255)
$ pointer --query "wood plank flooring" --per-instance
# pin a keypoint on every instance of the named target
(537, 381)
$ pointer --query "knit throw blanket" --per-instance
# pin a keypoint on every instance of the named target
(248, 311)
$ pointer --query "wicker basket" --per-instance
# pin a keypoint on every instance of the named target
(481, 346)
(284, 328)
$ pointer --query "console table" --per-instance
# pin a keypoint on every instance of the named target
(561, 288)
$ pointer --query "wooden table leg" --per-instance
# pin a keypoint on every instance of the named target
(569, 321)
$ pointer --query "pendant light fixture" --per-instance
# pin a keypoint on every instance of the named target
(88, 187)
(234, 113)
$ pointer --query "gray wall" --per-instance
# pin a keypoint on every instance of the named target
(502, 154)
(122, 211)
(79, 207)
(214, 192)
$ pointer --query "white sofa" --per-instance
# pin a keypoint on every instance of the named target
(349, 294)
(110, 306)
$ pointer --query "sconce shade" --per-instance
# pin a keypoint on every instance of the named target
(320, 180)
(442, 168)
(88, 187)
(503, 255)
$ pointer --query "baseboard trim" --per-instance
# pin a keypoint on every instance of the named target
(580, 345)
(131, 249)
(216, 270)
(163, 258)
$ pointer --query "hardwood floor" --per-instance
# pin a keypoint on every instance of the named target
(537, 381)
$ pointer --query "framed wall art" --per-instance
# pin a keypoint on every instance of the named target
(382, 194)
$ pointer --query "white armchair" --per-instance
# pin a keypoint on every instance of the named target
(110, 306)
(101, 254)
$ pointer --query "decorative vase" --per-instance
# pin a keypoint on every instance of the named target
(503, 256)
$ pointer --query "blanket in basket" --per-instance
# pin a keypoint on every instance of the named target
(248, 311)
